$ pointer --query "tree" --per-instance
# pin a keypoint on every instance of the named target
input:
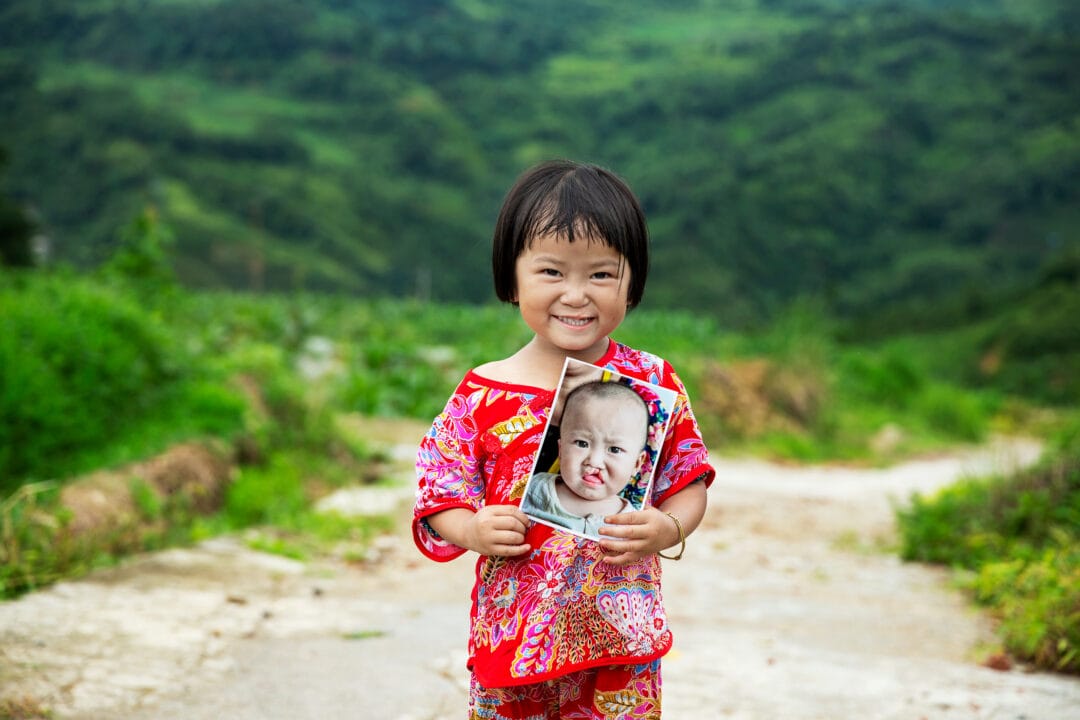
(144, 258)
(16, 231)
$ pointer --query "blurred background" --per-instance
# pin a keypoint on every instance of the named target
(241, 222)
(905, 163)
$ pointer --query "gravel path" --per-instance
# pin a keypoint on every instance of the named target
(785, 606)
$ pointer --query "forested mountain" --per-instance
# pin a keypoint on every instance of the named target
(918, 155)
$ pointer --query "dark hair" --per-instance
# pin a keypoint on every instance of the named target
(570, 199)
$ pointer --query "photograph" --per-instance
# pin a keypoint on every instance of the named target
(599, 449)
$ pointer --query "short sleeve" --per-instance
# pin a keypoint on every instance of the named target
(448, 472)
(683, 457)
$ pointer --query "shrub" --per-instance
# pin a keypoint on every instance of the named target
(1038, 602)
(78, 364)
(952, 412)
(142, 260)
(1020, 538)
(266, 495)
(889, 379)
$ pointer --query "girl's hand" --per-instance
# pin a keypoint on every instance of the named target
(628, 537)
(497, 530)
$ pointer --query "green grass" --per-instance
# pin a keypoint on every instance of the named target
(272, 505)
(1017, 541)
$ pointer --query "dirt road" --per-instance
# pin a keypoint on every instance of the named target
(785, 606)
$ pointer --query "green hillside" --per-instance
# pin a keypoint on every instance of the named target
(877, 156)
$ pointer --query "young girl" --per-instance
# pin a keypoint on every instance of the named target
(562, 626)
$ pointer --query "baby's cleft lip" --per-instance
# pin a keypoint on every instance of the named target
(593, 479)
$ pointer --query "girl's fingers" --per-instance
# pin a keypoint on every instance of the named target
(617, 534)
(519, 524)
(620, 548)
(625, 531)
(630, 518)
(509, 537)
(511, 523)
(510, 550)
(513, 520)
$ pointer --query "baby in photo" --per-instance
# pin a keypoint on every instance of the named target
(603, 444)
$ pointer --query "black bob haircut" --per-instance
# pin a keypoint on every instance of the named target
(570, 199)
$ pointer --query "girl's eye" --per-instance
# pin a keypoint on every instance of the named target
(602, 275)
(550, 272)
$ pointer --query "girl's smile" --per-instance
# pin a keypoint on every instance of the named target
(572, 295)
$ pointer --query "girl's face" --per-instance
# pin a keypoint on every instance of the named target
(601, 445)
(572, 294)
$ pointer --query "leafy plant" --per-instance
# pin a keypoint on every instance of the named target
(143, 258)
(16, 231)
(1018, 538)
(80, 363)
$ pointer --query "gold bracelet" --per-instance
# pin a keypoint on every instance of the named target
(682, 540)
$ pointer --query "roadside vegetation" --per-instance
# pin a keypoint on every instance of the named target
(1015, 541)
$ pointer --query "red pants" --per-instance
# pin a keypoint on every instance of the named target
(621, 692)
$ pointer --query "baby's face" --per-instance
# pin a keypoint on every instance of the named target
(602, 441)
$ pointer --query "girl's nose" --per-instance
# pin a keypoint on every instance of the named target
(574, 294)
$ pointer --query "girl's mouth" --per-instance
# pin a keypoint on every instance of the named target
(574, 322)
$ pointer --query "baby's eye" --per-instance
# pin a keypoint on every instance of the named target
(615, 450)
(581, 443)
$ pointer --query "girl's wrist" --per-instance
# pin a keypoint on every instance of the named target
(679, 540)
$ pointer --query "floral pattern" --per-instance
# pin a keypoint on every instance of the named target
(560, 608)
(621, 692)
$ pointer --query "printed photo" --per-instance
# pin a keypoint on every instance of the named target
(599, 449)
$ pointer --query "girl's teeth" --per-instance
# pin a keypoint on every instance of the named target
(575, 321)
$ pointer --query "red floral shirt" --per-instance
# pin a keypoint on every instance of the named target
(558, 608)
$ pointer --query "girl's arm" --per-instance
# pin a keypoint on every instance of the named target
(492, 530)
(629, 537)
